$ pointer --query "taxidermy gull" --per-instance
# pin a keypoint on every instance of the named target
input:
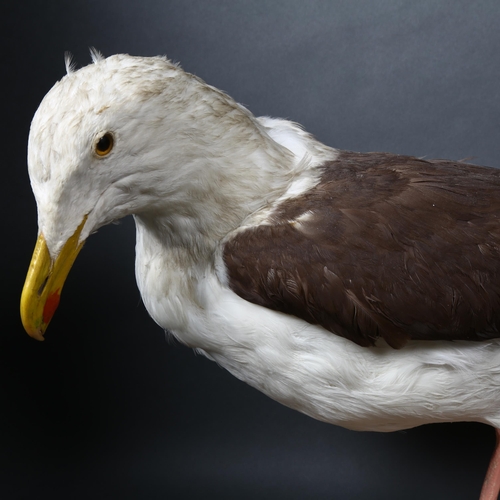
(362, 289)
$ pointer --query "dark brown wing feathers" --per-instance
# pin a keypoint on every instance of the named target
(394, 247)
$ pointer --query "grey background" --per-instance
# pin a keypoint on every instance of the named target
(105, 408)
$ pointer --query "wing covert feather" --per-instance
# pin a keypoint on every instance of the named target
(384, 246)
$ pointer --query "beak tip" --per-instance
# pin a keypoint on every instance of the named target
(38, 336)
(35, 333)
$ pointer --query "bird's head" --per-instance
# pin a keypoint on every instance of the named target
(111, 139)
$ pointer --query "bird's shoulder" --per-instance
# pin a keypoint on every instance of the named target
(382, 246)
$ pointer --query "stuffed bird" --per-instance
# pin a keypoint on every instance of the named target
(360, 289)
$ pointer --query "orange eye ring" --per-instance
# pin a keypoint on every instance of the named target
(104, 144)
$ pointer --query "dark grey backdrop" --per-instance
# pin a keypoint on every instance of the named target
(105, 408)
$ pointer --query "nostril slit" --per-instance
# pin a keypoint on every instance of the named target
(42, 286)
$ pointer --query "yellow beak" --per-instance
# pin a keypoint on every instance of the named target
(44, 282)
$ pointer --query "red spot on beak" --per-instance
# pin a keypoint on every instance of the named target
(50, 306)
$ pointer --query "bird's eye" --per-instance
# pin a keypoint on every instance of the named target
(104, 144)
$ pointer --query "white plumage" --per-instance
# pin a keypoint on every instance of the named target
(195, 168)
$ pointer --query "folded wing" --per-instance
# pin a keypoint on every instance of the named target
(384, 246)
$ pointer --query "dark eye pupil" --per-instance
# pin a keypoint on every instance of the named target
(104, 143)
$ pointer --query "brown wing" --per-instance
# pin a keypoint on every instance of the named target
(391, 246)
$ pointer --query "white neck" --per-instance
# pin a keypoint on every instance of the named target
(179, 238)
(230, 173)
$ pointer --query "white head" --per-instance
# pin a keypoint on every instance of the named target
(137, 103)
